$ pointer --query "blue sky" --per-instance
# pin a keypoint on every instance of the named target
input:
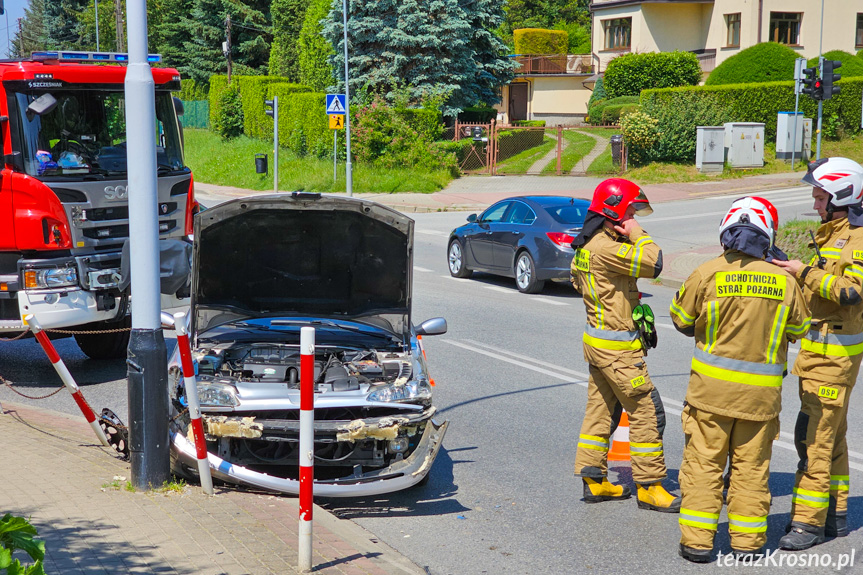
(14, 10)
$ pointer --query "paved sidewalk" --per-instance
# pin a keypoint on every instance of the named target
(55, 473)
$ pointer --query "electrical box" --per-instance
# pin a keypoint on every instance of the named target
(745, 144)
(807, 139)
(710, 148)
(786, 139)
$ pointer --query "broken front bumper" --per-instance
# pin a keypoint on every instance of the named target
(400, 475)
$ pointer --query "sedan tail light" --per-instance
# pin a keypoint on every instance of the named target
(560, 238)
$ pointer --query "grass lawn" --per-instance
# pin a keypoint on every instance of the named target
(521, 162)
(578, 146)
(232, 163)
(793, 238)
(850, 147)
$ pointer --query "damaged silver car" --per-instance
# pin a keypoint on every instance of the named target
(264, 267)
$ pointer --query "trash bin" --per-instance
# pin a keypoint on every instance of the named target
(616, 149)
(261, 163)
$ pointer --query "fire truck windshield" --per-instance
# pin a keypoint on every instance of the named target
(85, 133)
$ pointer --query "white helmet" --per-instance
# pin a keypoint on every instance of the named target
(840, 177)
(754, 213)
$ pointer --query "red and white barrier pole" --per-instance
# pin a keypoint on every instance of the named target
(67, 378)
(307, 443)
(197, 425)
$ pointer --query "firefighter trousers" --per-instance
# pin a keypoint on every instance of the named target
(822, 480)
(709, 441)
(608, 389)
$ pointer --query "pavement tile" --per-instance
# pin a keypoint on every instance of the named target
(91, 527)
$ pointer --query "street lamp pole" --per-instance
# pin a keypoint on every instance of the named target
(147, 369)
(98, 49)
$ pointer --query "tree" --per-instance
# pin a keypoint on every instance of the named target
(432, 48)
(566, 15)
(32, 34)
(765, 62)
(61, 24)
(168, 35)
(313, 49)
(288, 19)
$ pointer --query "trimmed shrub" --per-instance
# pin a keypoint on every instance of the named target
(460, 148)
(612, 114)
(253, 92)
(680, 110)
(540, 41)
(530, 123)
(594, 113)
(513, 142)
(192, 91)
(579, 36)
(765, 62)
(851, 64)
(229, 122)
(477, 115)
(314, 49)
(218, 84)
(640, 132)
(629, 74)
(303, 125)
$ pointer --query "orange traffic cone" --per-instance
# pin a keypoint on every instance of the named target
(620, 440)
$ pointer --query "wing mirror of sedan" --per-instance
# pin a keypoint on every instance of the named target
(433, 326)
(471, 218)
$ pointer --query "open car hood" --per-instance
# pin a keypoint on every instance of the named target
(301, 254)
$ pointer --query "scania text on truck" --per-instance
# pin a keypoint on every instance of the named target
(64, 214)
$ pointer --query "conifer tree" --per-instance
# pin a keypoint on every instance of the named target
(313, 50)
(288, 18)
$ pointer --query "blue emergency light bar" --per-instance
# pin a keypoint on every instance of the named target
(70, 56)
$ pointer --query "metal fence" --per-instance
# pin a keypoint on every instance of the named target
(196, 114)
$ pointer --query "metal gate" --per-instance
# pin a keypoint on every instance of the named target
(477, 157)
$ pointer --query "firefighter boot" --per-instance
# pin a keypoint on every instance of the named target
(654, 496)
(801, 536)
(836, 525)
(596, 490)
(695, 555)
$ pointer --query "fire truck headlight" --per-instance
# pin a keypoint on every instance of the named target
(50, 278)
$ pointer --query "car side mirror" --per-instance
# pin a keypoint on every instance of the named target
(433, 326)
(471, 218)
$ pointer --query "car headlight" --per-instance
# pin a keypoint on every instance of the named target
(217, 395)
(416, 390)
(50, 278)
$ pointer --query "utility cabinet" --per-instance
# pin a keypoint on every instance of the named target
(745, 144)
(710, 148)
(786, 142)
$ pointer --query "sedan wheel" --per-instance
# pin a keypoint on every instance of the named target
(525, 275)
(455, 257)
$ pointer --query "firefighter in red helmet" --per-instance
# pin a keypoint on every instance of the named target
(611, 253)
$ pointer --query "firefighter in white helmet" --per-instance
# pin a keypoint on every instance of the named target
(742, 311)
(830, 353)
(612, 252)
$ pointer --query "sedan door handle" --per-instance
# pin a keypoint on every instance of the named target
(515, 233)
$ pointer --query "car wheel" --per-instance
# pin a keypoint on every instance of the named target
(105, 345)
(455, 259)
(525, 275)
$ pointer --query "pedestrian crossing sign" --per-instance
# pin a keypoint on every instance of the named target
(337, 121)
(335, 104)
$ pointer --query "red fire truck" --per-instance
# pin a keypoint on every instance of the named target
(64, 214)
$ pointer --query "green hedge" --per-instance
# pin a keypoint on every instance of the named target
(477, 115)
(594, 113)
(512, 142)
(540, 41)
(529, 123)
(680, 110)
(252, 91)
(851, 64)
(303, 124)
(611, 115)
(460, 148)
(765, 62)
(629, 74)
(192, 91)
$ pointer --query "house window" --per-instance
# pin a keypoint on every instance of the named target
(732, 21)
(785, 27)
(618, 33)
(858, 36)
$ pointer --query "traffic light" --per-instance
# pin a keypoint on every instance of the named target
(829, 78)
(271, 106)
(811, 83)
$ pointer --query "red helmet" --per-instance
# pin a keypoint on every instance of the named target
(612, 197)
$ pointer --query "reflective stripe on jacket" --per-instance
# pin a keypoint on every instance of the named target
(742, 312)
(606, 269)
(832, 350)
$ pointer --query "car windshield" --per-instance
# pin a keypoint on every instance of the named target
(567, 214)
(85, 133)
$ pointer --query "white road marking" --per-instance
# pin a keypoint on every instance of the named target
(565, 374)
(419, 269)
(432, 233)
(548, 301)
(456, 279)
(652, 219)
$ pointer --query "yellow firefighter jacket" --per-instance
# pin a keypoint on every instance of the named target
(606, 269)
(831, 351)
(741, 310)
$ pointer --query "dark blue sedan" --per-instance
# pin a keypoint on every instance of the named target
(525, 237)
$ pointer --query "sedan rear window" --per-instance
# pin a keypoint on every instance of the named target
(568, 214)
